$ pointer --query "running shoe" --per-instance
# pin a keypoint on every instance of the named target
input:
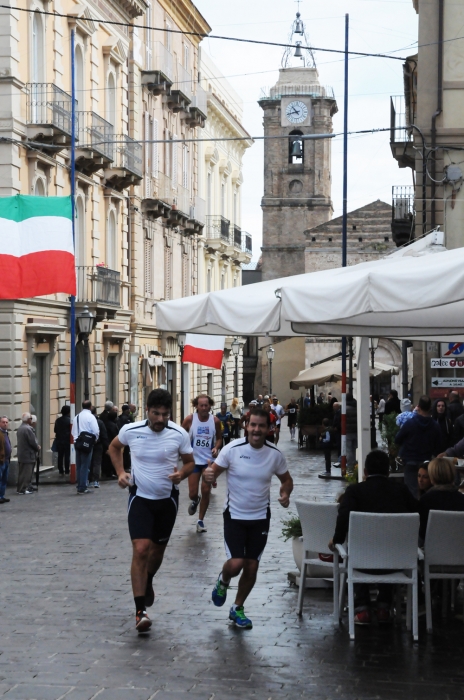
(201, 526)
(219, 593)
(142, 621)
(96, 485)
(239, 618)
(192, 509)
(149, 594)
(363, 617)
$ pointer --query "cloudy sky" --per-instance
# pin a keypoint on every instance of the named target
(375, 26)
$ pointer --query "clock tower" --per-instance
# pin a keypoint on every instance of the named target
(297, 176)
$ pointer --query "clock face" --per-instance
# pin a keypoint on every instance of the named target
(296, 112)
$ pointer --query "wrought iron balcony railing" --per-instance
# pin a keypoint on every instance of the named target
(247, 243)
(130, 154)
(98, 285)
(95, 132)
(403, 214)
(399, 120)
(238, 237)
(218, 227)
(49, 105)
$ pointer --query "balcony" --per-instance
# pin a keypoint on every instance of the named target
(402, 225)
(95, 138)
(217, 233)
(238, 237)
(99, 288)
(198, 110)
(401, 141)
(126, 168)
(159, 205)
(180, 207)
(247, 243)
(48, 115)
(159, 81)
(180, 95)
(196, 222)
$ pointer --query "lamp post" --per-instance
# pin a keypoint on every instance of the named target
(181, 344)
(235, 347)
(270, 356)
(86, 323)
(373, 344)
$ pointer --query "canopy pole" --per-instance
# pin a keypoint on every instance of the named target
(72, 392)
(344, 242)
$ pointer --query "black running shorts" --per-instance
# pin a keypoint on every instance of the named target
(245, 539)
(152, 520)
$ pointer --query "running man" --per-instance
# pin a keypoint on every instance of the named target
(250, 464)
(292, 413)
(205, 434)
(156, 445)
(279, 412)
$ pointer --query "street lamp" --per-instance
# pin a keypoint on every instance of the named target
(235, 347)
(270, 352)
(373, 345)
(86, 323)
(181, 343)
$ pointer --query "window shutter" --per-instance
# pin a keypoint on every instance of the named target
(167, 273)
(174, 162)
(185, 166)
(146, 154)
(148, 267)
(167, 154)
(185, 279)
(154, 152)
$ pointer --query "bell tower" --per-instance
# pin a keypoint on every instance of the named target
(297, 177)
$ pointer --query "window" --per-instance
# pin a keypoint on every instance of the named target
(295, 148)
(167, 273)
(223, 199)
(80, 79)
(39, 188)
(209, 384)
(146, 154)
(167, 35)
(111, 241)
(148, 39)
(208, 194)
(112, 388)
(154, 152)
(223, 278)
(148, 267)
(186, 57)
(208, 280)
(167, 153)
(111, 100)
(235, 209)
(38, 43)
(174, 161)
(185, 276)
(185, 166)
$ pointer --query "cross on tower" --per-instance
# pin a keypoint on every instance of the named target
(298, 1)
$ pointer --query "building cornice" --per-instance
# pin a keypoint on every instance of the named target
(187, 17)
(226, 117)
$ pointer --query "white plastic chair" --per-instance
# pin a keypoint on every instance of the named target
(318, 526)
(443, 552)
(383, 541)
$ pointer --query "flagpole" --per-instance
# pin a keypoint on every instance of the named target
(72, 477)
(344, 243)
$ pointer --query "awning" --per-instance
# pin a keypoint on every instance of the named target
(331, 371)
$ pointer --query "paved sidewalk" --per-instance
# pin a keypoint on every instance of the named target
(67, 617)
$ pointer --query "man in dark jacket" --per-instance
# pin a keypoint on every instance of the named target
(351, 430)
(63, 439)
(393, 404)
(99, 450)
(419, 440)
(455, 408)
(124, 419)
(377, 494)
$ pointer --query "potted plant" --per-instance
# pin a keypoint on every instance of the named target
(291, 529)
(388, 431)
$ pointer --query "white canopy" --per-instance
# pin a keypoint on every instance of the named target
(410, 294)
(331, 371)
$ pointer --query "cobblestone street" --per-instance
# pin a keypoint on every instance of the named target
(67, 621)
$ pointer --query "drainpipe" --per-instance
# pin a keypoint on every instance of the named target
(438, 110)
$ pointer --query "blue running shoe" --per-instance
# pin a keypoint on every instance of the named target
(241, 620)
(219, 593)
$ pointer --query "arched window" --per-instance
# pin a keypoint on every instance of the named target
(111, 100)
(38, 43)
(111, 248)
(79, 67)
(39, 188)
(79, 230)
(295, 147)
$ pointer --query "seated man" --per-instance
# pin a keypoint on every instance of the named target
(376, 494)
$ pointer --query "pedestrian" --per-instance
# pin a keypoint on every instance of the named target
(320, 399)
(246, 416)
(292, 413)
(307, 400)
(5, 455)
(440, 416)
(420, 440)
(27, 451)
(236, 412)
(423, 479)
(100, 447)
(351, 430)
(132, 412)
(85, 432)
(325, 439)
(226, 420)
(381, 409)
(63, 439)
(392, 404)
(250, 464)
(156, 445)
(444, 494)
(260, 400)
(455, 408)
(104, 415)
(112, 431)
(205, 434)
(270, 437)
(279, 412)
(406, 412)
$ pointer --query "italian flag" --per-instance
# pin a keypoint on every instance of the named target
(36, 246)
(206, 350)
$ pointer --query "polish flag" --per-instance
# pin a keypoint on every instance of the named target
(206, 350)
(36, 246)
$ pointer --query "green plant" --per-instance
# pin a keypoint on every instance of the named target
(388, 431)
(291, 528)
(352, 476)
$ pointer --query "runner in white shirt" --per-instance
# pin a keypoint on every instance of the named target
(156, 444)
(205, 434)
(250, 464)
(279, 412)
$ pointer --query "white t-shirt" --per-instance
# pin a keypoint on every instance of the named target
(249, 476)
(279, 411)
(154, 456)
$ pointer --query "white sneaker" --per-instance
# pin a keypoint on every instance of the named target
(201, 526)
(96, 485)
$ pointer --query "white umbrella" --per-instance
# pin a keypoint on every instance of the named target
(331, 371)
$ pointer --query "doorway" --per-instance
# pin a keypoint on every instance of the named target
(171, 373)
(112, 384)
(39, 400)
